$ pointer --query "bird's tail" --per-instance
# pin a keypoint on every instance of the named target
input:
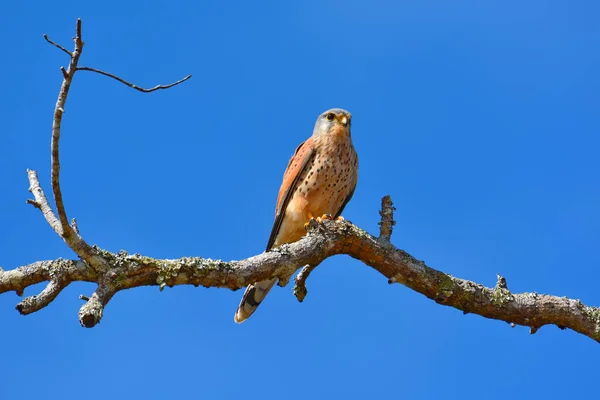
(252, 298)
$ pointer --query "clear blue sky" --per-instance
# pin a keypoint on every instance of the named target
(479, 118)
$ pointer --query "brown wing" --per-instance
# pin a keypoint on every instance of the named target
(346, 200)
(301, 158)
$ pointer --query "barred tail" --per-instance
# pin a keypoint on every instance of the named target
(252, 298)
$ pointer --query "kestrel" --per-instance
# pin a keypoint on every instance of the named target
(319, 180)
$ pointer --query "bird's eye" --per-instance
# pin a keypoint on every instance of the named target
(330, 116)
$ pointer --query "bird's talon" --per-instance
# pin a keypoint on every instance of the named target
(340, 218)
(324, 217)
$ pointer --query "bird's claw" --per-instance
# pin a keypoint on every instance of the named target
(322, 218)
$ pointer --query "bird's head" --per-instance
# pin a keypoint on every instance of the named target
(333, 122)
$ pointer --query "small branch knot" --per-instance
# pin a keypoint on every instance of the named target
(91, 312)
(34, 203)
(533, 330)
(283, 281)
(500, 294)
(501, 282)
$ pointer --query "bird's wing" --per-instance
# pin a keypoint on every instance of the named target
(297, 164)
(346, 200)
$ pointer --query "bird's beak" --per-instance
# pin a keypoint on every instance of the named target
(344, 120)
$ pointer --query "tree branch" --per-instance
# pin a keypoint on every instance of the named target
(131, 85)
(41, 202)
(300, 290)
(116, 272)
(323, 240)
(59, 109)
(386, 225)
(57, 45)
(59, 221)
(91, 312)
(46, 296)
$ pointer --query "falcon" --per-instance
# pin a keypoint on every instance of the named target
(318, 183)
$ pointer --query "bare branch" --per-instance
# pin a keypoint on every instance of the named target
(59, 109)
(46, 296)
(91, 312)
(66, 271)
(323, 240)
(59, 221)
(41, 202)
(78, 29)
(131, 85)
(75, 242)
(57, 45)
(300, 290)
(61, 224)
(386, 225)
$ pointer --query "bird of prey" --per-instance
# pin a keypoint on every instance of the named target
(319, 180)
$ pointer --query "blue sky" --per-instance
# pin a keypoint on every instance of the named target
(479, 118)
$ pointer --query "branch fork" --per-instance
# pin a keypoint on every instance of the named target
(91, 313)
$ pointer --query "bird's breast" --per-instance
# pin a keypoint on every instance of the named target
(329, 178)
(322, 186)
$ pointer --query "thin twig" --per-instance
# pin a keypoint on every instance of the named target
(34, 203)
(57, 45)
(131, 85)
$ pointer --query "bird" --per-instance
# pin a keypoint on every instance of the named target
(318, 183)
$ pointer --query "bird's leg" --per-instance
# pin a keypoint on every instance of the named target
(310, 217)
